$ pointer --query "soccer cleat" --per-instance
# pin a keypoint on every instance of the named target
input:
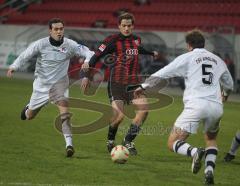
(110, 145)
(209, 179)
(69, 151)
(196, 163)
(229, 157)
(131, 147)
(23, 115)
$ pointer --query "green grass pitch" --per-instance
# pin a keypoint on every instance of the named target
(33, 152)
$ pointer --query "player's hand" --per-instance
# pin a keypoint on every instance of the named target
(155, 54)
(10, 72)
(138, 92)
(85, 84)
(136, 89)
(224, 98)
(85, 67)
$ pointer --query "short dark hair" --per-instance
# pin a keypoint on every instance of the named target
(54, 20)
(195, 39)
(126, 15)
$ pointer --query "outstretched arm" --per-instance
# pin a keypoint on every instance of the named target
(25, 56)
(177, 68)
(83, 51)
(86, 52)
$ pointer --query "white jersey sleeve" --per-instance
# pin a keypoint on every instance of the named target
(81, 51)
(84, 51)
(25, 56)
(226, 81)
(177, 68)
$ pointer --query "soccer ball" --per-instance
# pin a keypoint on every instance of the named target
(119, 154)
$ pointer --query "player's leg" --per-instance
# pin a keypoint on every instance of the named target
(117, 117)
(58, 94)
(141, 115)
(37, 101)
(211, 152)
(177, 143)
(115, 94)
(39, 98)
(186, 124)
(211, 125)
(28, 114)
(233, 149)
(66, 126)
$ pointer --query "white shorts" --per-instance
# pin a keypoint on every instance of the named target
(200, 110)
(44, 92)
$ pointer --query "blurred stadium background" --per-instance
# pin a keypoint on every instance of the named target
(161, 23)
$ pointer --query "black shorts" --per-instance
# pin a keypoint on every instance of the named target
(117, 91)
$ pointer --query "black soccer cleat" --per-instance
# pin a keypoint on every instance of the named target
(23, 115)
(197, 158)
(229, 157)
(209, 179)
(69, 151)
(110, 145)
(131, 147)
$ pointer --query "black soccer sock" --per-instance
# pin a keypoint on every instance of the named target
(112, 131)
(132, 132)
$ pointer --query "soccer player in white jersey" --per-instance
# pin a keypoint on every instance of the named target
(51, 74)
(205, 74)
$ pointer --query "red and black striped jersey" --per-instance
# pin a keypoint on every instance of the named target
(121, 54)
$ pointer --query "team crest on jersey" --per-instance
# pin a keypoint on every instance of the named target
(136, 42)
(102, 47)
(63, 49)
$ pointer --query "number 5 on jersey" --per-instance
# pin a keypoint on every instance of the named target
(208, 76)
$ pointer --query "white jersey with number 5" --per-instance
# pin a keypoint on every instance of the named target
(203, 72)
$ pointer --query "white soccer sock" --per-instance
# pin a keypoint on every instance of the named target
(66, 129)
(183, 148)
(68, 139)
(210, 158)
(193, 151)
(235, 144)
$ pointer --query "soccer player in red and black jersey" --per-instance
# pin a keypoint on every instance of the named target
(123, 50)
